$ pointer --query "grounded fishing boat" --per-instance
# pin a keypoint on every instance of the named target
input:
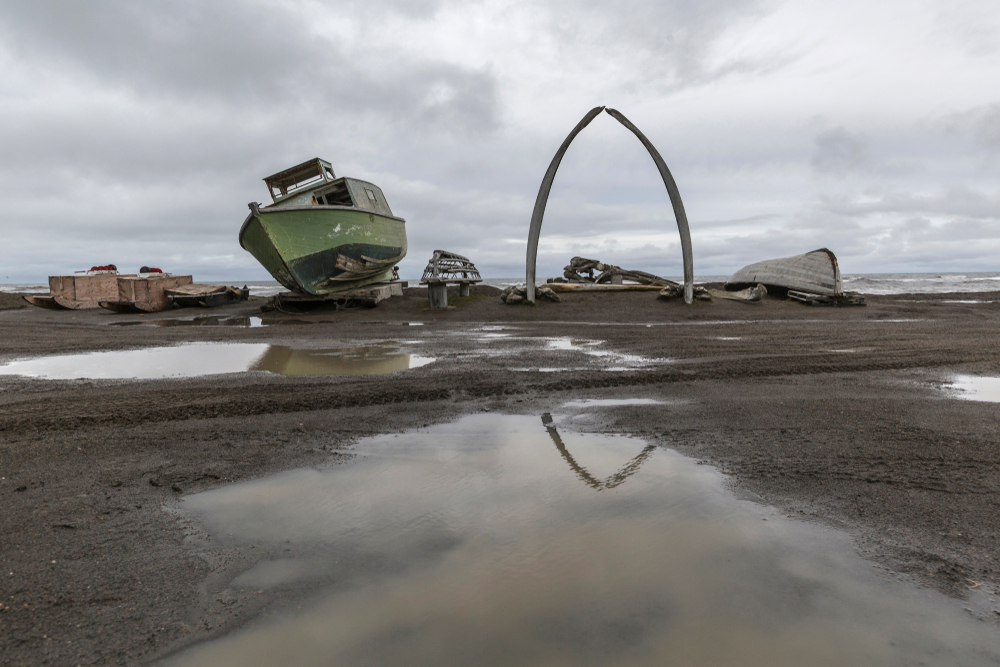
(324, 234)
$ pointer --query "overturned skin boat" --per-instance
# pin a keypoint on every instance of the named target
(324, 234)
(815, 272)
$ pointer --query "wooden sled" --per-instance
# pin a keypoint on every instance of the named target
(43, 301)
(77, 292)
(206, 296)
(144, 295)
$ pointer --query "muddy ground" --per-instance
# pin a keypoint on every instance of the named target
(837, 415)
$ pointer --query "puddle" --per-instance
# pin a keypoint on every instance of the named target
(604, 402)
(214, 358)
(501, 540)
(976, 388)
(502, 343)
(570, 343)
(943, 301)
(211, 321)
(567, 369)
(546, 370)
(621, 361)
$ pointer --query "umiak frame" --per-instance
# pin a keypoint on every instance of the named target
(668, 181)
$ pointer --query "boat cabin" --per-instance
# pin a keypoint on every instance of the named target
(313, 183)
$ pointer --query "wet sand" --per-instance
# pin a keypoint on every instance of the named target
(837, 415)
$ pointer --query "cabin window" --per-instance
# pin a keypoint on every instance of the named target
(371, 195)
(336, 195)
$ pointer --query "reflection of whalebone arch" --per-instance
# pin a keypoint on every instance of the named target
(668, 181)
(618, 478)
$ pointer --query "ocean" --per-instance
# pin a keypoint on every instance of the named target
(865, 283)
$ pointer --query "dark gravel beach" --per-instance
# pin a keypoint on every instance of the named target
(836, 415)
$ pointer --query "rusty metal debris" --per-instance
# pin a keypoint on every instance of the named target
(668, 181)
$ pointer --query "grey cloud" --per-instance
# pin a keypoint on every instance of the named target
(972, 26)
(981, 123)
(913, 244)
(987, 127)
(182, 46)
(137, 132)
(840, 152)
(955, 201)
(171, 113)
(251, 57)
(679, 33)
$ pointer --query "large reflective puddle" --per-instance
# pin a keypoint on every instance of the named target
(507, 540)
(976, 388)
(205, 321)
(215, 358)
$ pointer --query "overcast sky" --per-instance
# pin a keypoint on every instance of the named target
(137, 132)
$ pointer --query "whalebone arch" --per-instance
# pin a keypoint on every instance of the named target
(668, 181)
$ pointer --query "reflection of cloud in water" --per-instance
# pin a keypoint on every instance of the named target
(474, 543)
(976, 388)
(348, 361)
(200, 359)
(612, 402)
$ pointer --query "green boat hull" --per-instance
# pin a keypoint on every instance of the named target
(322, 250)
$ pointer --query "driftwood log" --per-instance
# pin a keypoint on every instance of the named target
(581, 270)
(516, 294)
(674, 291)
(755, 293)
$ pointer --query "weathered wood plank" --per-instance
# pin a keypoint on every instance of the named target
(588, 287)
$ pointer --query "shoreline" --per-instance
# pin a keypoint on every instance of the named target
(828, 414)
